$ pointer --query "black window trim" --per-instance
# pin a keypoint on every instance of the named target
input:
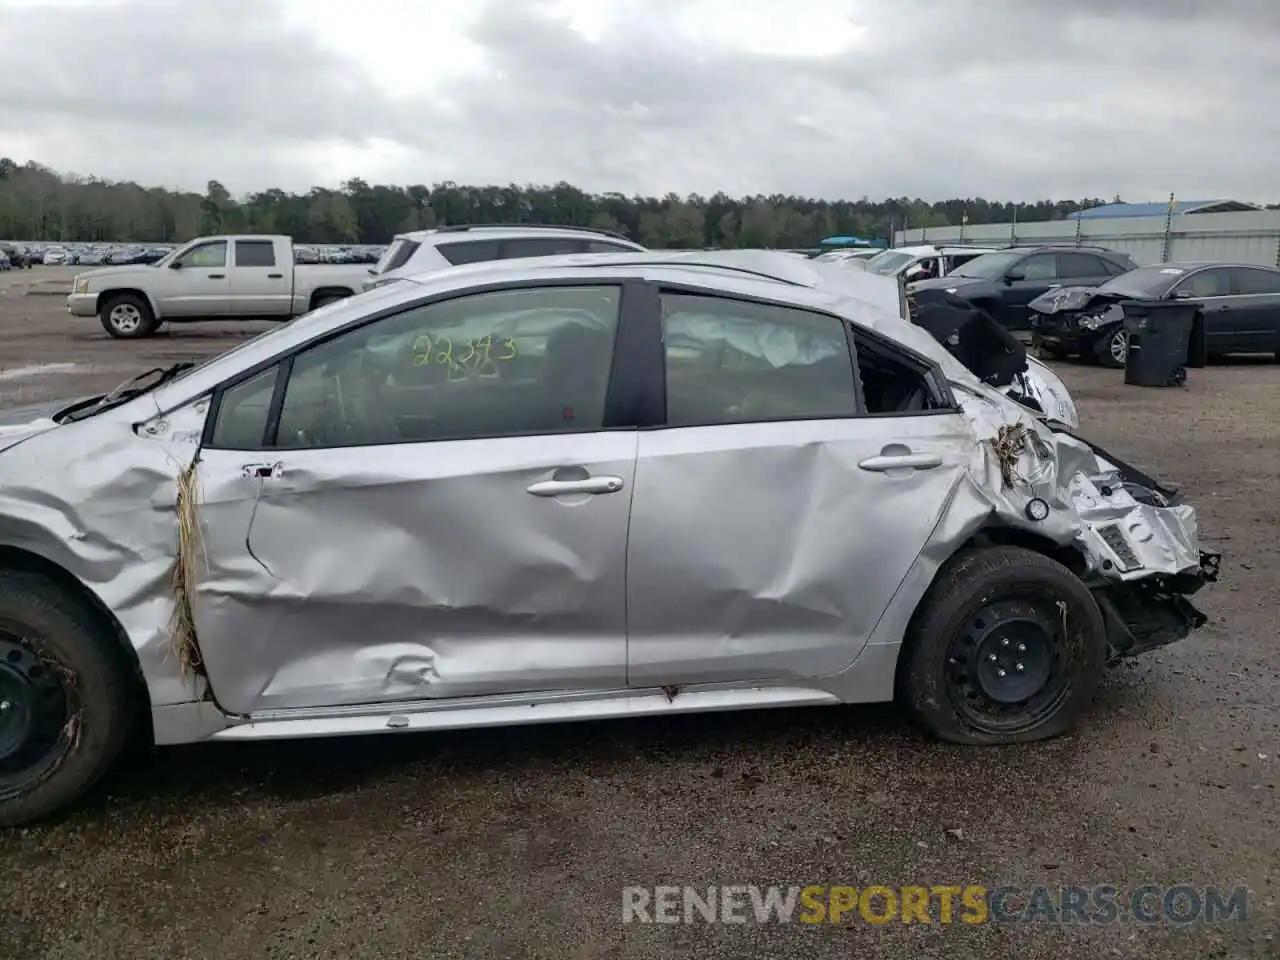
(929, 370)
(628, 405)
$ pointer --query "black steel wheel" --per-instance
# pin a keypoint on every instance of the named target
(1008, 646)
(67, 697)
(1004, 669)
(36, 711)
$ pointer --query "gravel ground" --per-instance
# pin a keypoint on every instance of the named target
(517, 843)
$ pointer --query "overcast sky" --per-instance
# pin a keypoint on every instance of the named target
(1006, 99)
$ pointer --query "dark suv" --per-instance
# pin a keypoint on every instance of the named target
(1005, 282)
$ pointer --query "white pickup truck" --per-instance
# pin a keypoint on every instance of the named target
(211, 278)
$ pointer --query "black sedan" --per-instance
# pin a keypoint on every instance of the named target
(1239, 309)
(1005, 282)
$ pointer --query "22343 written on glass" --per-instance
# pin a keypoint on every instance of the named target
(477, 357)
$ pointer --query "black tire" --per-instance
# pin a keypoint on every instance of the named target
(53, 640)
(126, 316)
(1106, 350)
(324, 299)
(979, 600)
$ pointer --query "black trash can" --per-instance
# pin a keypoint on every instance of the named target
(1159, 341)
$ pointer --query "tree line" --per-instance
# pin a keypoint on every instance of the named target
(37, 203)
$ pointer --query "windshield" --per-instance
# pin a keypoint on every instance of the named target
(989, 266)
(890, 262)
(1146, 283)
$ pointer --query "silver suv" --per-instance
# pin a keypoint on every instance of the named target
(421, 250)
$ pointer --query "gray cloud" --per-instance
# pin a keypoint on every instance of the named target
(1016, 99)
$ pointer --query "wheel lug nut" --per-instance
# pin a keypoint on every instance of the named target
(1018, 667)
(1004, 641)
(1022, 648)
(1000, 672)
(991, 657)
(4, 706)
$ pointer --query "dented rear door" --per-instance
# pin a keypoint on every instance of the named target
(769, 550)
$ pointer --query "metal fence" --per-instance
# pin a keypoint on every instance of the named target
(1250, 237)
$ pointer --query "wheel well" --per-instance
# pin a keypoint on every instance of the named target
(1069, 557)
(106, 295)
(24, 561)
(331, 292)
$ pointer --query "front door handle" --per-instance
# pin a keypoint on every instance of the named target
(217, 276)
(261, 471)
(561, 488)
(901, 461)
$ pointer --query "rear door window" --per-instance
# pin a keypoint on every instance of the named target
(1072, 266)
(1205, 283)
(470, 251)
(541, 247)
(255, 253)
(1254, 281)
(605, 246)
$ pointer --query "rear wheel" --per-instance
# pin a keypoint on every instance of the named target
(1112, 348)
(65, 704)
(127, 317)
(1007, 647)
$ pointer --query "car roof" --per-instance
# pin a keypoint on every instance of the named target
(1201, 264)
(871, 301)
(502, 231)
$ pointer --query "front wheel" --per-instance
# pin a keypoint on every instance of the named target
(127, 317)
(1112, 348)
(65, 700)
(1008, 647)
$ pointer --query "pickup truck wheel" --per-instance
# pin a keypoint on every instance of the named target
(127, 317)
(1008, 647)
(1112, 348)
(65, 703)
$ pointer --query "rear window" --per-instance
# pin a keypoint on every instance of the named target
(397, 255)
(471, 251)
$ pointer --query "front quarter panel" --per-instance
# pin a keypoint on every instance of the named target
(97, 498)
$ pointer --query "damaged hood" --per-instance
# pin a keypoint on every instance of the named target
(19, 423)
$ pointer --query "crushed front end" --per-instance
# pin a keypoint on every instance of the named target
(1146, 544)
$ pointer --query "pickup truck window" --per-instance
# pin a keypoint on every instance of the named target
(255, 253)
(212, 254)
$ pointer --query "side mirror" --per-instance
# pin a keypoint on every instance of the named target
(1013, 276)
(176, 265)
(1183, 295)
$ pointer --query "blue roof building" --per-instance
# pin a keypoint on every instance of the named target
(1110, 211)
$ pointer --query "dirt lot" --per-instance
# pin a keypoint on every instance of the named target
(517, 843)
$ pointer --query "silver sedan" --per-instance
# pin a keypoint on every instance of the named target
(565, 489)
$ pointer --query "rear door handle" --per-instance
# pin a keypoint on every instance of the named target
(217, 276)
(275, 276)
(560, 488)
(901, 461)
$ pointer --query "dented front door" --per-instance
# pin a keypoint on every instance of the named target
(413, 571)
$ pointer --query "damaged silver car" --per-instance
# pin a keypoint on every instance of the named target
(564, 489)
